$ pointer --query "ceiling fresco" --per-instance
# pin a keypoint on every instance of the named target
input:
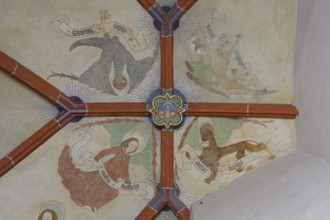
(137, 109)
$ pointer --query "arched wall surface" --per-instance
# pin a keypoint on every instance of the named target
(293, 187)
(312, 77)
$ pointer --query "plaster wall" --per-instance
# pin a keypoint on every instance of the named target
(294, 187)
(311, 78)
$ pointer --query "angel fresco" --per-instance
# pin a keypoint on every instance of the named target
(95, 179)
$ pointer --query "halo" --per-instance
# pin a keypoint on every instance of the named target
(54, 206)
(125, 76)
(203, 121)
(142, 133)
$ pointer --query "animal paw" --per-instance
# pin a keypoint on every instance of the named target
(190, 68)
(239, 169)
(208, 180)
(271, 157)
(250, 167)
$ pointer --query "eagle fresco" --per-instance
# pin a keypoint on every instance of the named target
(113, 55)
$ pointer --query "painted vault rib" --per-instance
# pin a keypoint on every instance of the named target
(71, 109)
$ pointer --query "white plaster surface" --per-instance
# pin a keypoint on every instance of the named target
(20, 113)
(295, 187)
(311, 78)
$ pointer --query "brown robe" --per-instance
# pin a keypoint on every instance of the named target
(88, 188)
